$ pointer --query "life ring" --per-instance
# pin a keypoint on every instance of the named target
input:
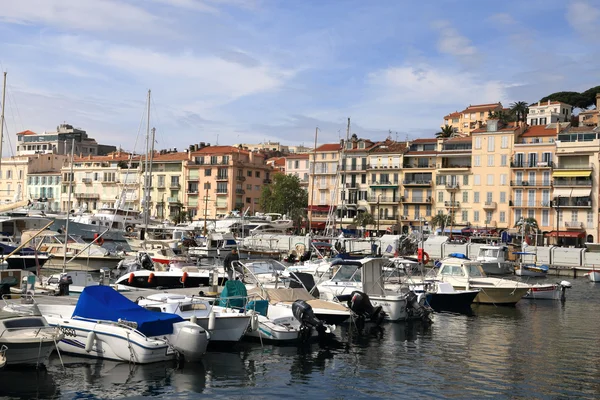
(129, 228)
(131, 278)
(99, 240)
(151, 277)
(422, 256)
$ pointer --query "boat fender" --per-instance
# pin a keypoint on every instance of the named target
(254, 322)
(99, 240)
(211, 321)
(151, 277)
(89, 343)
(184, 277)
(131, 278)
(194, 320)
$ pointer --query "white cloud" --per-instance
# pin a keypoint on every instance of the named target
(87, 15)
(452, 42)
(503, 18)
(584, 18)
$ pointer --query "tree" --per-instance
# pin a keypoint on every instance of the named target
(181, 217)
(284, 195)
(527, 226)
(446, 131)
(519, 110)
(441, 220)
(501, 115)
(363, 219)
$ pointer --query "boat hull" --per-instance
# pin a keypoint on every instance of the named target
(543, 292)
(28, 352)
(593, 276)
(27, 263)
(497, 295)
(227, 329)
(455, 301)
(83, 263)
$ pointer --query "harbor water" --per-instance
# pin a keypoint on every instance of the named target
(538, 349)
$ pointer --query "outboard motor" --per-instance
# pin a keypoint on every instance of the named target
(63, 285)
(146, 261)
(361, 305)
(564, 285)
(303, 312)
(414, 308)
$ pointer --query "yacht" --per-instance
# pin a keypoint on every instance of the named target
(213, 245)
(494, 260)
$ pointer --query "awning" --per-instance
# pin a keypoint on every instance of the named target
(351, 207)
(317, 225)
(362, 208)
(320, 208)
(572, 173)
(566, 234)
(562, 192)
(581, 193)
(447, 230)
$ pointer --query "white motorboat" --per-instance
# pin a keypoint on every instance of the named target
(366, 275)
(465, 274)
(494, 260)
(593, 276)
(186, 277)
(26, 339)
(553, 291)
(224, 324)
(213, 245)
(105, 324)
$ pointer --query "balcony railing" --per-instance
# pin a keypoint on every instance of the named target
(581, 202)
(573, 225)
(417, 182)
(222, 177)
(529, 204)
(87, 180)
(529, 164)
(451, 204)
(489, 205)
(452, 186)
(192, 191)
(572, 182)
(583, 166)
(422, 166)
(172, 200)
(221, 192)
(530, 183)
(240, 191)
(384, 199)
(87, 196)
(266, 181)
(174, 185)
(384, 183)
(240, 178)
(418, 200)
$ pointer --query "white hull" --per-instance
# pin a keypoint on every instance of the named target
(543, 292)
(30, 352)
(530, 273)
(83, 263)
(227, 329)
(284, 329)
(593, 276)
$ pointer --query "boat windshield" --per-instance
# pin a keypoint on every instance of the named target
(347, 273)
(475, 270)
(492, 253)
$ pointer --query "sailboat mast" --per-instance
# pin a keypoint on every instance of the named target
(314, 163)
(2, 115)
(71, 180)
(146, 167)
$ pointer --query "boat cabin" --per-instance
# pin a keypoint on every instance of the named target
(459, 267)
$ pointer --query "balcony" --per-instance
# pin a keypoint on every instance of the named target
(418, 200)
(419, 166)
(527, 164)
(87, 181)
(530, 204)
(174, 185)
(240, 178)
(452, 186)
(192, 191)
(266, 181)
(240, 191)
(351, 185)
(583, 167)
(222, 193)
(574, 225)
(573, 182)
(173, 200)
(222, 178)
(451, 204)
(572, 202)
(490, 205)
(521, 183)
(412, 182)
(384, 199)
(383, 184)
(87, 196)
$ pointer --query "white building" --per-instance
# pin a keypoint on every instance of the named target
(549, 112)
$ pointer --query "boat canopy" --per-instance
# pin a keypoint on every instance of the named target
(105, 303)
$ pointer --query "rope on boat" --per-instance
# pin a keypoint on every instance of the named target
(58, 352)
(37, 364)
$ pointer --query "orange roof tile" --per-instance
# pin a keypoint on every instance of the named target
(427, 140)
(540, 130)
(460, 139)
(329, 147)
(179, 156)
(303, 156)
(482, 107)
(27, 132)
(508, 128)
(389, 146)
(455, 114)
(219, 150)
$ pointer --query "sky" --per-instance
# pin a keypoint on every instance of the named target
(246, 71)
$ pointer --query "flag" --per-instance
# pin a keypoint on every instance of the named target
(389, 248)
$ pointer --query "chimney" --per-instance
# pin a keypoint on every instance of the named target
(548, 101)
(557, 127)
(539, 103)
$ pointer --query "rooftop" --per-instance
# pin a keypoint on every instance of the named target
(27, 132)
(543, 130)
(455, 114)
(389, 146)
(482, 107)
(329, 147)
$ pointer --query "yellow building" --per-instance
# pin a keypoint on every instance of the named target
(492, 151)
(590, 118)
(531, 175)
(219, 179)
(471, 118)
(322, 186)
(418, 177)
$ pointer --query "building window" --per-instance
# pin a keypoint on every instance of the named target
(590, 219)
(490, 142)
(545, 217)
(477, 142)
(465, 197)
(503, 179)
(490, 180)
(503, 160)
(502, 216)
(9, 174)
(440, 197)
(574, 216)
(489, 197)
(504, 143)
(465, 216)
(488, 217)
(475, 197)
(475, 216)
(477, 161)
(249, 173)
(531, 214)
(465, 180)
(490, 162)
(502, 197)
(476, 180)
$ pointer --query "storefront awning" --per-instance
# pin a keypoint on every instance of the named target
(562, 192)
(566, 234)
(320, 208)
(581, 193)
(572, 173)
(362, 209)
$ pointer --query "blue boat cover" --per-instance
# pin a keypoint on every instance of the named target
(105, 303)
(458, 255)
(234, 295)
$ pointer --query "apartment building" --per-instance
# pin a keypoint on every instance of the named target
(14, 182)
(590, 118)
(471, 118)
(219, 179)
(60, 142)
(575, 181)
(100, 181)
(354, 184)
(383, 197)
(549, 112)
(322, 187)
(298, 165)
(418, 177)
(492, 150)
(531, 168)
(454, 183)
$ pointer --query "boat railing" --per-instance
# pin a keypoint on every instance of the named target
(120, 324)
(39, 330)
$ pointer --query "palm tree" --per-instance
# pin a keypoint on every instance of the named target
(519, 109)
(447, 131)
(442, 220)
(527, 226)
(501, 115)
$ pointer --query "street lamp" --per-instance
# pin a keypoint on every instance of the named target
(378, 213)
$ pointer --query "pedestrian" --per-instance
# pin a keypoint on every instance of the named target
(228, 263)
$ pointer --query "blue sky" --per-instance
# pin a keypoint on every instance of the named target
(254, 70)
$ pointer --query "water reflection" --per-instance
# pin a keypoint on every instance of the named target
(27, 383)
